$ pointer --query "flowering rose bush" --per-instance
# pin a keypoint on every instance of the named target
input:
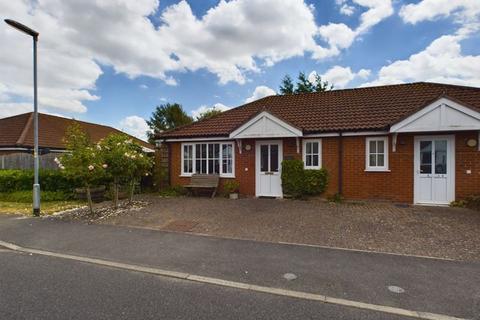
(124, 161)
(81, 161)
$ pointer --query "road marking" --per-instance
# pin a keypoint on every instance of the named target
(237, 285)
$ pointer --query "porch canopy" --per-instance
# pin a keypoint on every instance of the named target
(443, 115)
(266, 125)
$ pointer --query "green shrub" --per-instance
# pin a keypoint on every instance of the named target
(22, 180)
(26, 196)
(315, 181)
(298, 182)
(231, 186)
(293, 178)
(173, 191)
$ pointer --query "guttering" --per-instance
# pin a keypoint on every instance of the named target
(31, 149)
(194, 139)
(346, 134)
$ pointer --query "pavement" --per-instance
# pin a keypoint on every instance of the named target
(431, 285)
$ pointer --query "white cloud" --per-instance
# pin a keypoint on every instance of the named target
(337, 35)
(340, 76)
(217, 106)
(463, 10)
(143, 86)
(260, 92)
(231, 40)
(340, 36)
(135, 126)
(442, 61)
(11, 109)
(377, 11)
(347, 10)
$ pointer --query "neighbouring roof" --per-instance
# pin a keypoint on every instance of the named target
(361, 109)
(17, 131)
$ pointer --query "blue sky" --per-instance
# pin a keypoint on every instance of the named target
(132, 56)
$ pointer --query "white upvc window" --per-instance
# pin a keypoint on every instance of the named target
(376, 154)
(208, 158)
(312, 153)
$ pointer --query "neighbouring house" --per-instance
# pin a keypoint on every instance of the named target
(412, 143)
(16, 139)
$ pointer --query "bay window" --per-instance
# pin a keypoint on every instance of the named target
(208, 158)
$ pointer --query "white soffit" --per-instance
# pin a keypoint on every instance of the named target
(265, 125)
(442, 115)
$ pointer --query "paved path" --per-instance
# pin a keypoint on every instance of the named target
(445, 287)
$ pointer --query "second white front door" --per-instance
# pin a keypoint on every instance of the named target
(269, 155)
(434, 169)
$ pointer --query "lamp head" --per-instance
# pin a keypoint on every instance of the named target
(23, 28)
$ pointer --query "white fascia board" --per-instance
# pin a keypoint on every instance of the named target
(347, 134)
(196, 139)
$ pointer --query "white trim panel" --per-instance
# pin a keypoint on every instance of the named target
(442, 115)
(265, 125)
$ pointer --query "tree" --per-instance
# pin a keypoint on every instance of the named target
(166, 117)
(304, 85)
(287, 86)
(81, 161)
(208, 114)
(320, 85)
(125, 162)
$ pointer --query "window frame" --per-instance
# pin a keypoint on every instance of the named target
(194, 158)
(386, 150)
(304, 154)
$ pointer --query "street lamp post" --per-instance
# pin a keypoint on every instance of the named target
(36, 185)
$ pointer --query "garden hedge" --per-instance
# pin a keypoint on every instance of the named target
(22, 180)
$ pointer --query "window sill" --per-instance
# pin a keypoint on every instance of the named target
(221, 176)
(377, 170)
(312, 168)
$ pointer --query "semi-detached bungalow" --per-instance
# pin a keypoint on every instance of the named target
(412, 143)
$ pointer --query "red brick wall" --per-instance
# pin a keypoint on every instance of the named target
(395, 185)
(466, 158)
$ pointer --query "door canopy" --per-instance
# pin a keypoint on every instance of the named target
(265, 125)
(442, 115)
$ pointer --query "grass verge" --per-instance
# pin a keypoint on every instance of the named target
(46, 207)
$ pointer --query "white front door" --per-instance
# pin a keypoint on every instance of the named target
(268, 182)
(434, 169)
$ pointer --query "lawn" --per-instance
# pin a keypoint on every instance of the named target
(46, 207)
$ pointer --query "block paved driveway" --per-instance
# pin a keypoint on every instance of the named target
(428, 231)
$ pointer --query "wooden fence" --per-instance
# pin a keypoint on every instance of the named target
(25, 161)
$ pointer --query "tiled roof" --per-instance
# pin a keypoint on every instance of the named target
(17, 131)
(370, 108)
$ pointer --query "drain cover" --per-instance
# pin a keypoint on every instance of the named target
(290, 276)
(396, 289)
